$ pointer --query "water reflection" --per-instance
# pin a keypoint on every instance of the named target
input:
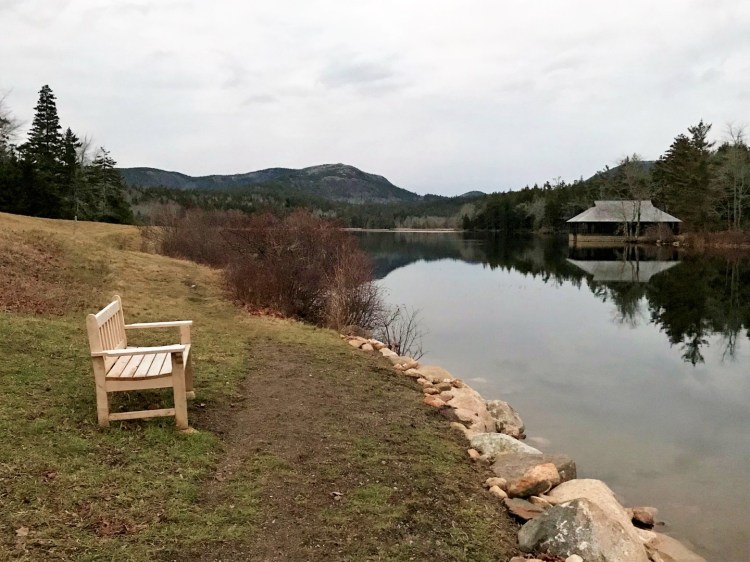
(638, 370)
(690, 298)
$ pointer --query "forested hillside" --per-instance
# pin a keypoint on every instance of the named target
(337, 182)
(55, 173)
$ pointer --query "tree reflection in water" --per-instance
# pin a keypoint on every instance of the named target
(690, 297)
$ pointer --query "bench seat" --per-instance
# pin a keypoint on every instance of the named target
(143, 366)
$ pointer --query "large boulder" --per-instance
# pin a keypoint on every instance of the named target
(663, 548)
(469, 408)
(581, 527)
(434, 374)
(513, 466)
(596, 492)
(494, 444)
(506, 418)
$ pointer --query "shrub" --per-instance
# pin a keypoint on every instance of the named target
(299, 264)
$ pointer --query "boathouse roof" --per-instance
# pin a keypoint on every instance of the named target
(622, 270)
(623, 211)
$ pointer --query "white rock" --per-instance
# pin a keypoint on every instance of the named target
(367, 347)
(574, 558)
(385, 352)
(494, 444)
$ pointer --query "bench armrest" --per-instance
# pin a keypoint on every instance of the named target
(174, 324)
(176, 348)
(183, 325)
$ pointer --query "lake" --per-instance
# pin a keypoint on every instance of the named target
(635, 363)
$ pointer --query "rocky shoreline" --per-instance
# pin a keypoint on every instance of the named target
(565, 518)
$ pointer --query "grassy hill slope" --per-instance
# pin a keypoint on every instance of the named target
(286, 415)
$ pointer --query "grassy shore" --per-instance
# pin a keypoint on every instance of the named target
(287, 414)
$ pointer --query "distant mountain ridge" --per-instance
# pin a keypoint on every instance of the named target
(336, 182)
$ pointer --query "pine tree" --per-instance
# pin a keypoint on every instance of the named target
(42, 161)
(684, 175)
(45, 144)
(71, 173)
(106, 191)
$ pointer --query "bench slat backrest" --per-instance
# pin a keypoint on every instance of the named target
(106, 329)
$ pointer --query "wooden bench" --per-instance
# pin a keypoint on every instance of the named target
(119, 368)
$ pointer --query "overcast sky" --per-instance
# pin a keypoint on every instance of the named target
(437, 96)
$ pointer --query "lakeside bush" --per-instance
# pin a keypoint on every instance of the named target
(299, 265)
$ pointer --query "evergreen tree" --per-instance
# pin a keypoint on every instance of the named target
(105, 191)
(71, 172)
(42, 161)
(684, 175)
(45, 145)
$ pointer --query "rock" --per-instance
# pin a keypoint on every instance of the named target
(458, 383)
(507, 420)
(523, 509)
(446, 396)
(519, 559)
(433, 401)
(473, 454)
(376, 344)
(357, 342)
(413, 373)
(498, 491)
(547, 499)
(663, 548)
(574, 558)
(444, 386)
(643, 516)
(424, 382)
(596, 492)
(539, 479)
(469, 408)
(581, 527)
(512, 466)
(541, 502)
(494, 444)
(395, 359)
(430, 390)
(495, 481)
(385, 352)
(409, 364)
(433, 373)
(367, 347)
(462, 428)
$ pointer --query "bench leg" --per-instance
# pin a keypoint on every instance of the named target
(102, 400)
(189, 378)
(180, 400)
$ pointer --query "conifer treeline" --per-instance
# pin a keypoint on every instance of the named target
(53, 173)
(707, 188)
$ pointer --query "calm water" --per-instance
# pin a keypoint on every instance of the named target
(638, 366)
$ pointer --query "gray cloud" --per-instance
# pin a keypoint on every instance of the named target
(441, 100)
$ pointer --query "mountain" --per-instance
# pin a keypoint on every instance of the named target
(335, 182)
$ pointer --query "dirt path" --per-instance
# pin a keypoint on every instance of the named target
(347, 465)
